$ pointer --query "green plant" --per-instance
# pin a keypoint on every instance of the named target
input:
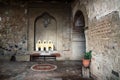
(88, 55)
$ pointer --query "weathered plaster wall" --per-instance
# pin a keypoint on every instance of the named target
(99, 8)
(13, 30)
(102, 36)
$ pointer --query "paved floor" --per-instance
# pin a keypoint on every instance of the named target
(66, 70)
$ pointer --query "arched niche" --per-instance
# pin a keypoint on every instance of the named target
(79, 22)
(45, 28)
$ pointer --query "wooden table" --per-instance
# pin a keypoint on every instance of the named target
(44, 57)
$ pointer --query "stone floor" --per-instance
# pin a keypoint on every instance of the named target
(66, 70)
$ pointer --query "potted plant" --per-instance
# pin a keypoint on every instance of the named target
(87, 58)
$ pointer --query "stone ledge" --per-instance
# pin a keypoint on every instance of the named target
(22, 57)
(18, 57)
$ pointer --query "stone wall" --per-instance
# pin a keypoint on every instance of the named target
(102, 36)
(13, 30)
(103, 31)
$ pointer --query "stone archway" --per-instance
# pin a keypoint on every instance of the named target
(78, 36)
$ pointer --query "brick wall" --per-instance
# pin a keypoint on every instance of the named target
(104, 33)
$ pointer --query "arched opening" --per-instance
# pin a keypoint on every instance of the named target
(49, 48)
(39, 49)
(79, 22)
(44, 48)
(78, 36)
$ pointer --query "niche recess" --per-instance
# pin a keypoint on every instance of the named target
(45, 28)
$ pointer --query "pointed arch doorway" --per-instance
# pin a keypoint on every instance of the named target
(78, 36)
